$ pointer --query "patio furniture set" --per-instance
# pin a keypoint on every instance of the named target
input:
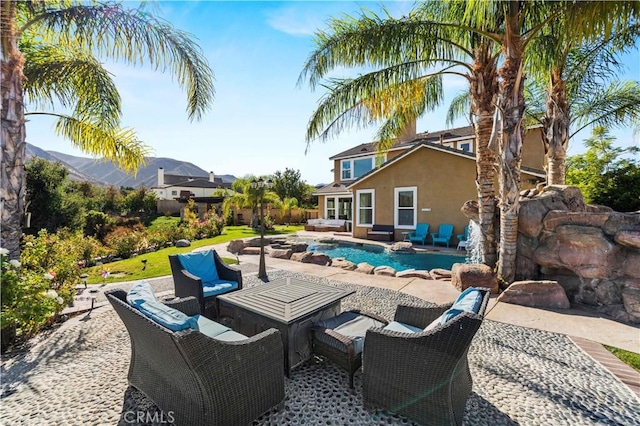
(204, 372)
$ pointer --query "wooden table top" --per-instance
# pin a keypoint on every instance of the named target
(285, 300)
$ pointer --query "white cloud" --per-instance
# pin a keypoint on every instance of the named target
(296, 21)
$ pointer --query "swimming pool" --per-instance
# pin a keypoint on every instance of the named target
(378, 256)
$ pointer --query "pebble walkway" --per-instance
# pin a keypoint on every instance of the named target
(521, 376)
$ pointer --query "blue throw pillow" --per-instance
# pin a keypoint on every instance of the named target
(469, 300)
(168, 317)
(139, 293)
(201, 264)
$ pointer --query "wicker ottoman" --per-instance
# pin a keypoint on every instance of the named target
(341, 338)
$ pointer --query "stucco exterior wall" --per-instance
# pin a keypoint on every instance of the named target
(444, 182)
(533, 149)
(168, 193)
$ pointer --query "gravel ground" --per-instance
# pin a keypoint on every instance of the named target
(77, 376)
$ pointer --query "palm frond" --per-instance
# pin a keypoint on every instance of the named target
(613, 106)
(74, 79)
(371, 41)
(535, 96)
(118, 145)
(460, 106)
(131, 35)
(371, 97)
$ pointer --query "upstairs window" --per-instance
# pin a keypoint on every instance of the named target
(465, 146)
(345, 167)
(362, 166)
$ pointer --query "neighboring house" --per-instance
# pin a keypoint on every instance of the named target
(173, 187)
(425, 177)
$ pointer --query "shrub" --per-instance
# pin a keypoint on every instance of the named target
(125, 241)
(210, 227)
(98, 224)
(38, 287)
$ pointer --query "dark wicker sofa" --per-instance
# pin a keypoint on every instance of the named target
(198, 379)
(424, 375)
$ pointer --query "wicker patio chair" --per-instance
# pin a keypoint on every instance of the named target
(422, 375)
(198, 379)
(341, 338)
(187, 284)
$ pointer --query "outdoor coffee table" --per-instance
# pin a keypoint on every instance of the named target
(290, 305)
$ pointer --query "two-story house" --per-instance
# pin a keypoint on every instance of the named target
(172, 187)
(425, 177)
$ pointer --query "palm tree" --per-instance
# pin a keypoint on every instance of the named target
(580, 91)
(288, 204)
(48, 53)
(247, 197)
(410, 56)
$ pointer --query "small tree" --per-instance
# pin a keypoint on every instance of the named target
(289, 184)
(603, 174)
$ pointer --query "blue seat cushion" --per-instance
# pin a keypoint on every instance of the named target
(139, 293)
(201, 264)
(215, 287)
(208, 327)
(230, 336)
(217, 331)
(402, 327)
(351, 325)
(167, 317)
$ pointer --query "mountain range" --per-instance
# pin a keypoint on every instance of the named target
(104, 172)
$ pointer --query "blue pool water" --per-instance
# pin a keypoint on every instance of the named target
(378, 256)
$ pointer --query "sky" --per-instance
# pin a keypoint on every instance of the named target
(258, 120)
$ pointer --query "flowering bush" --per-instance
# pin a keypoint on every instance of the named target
(210, 227)
(124, 241)
(37, 287)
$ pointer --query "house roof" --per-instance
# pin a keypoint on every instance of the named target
(370, 148)
(333, 188)
(425, 143)
(198, 183)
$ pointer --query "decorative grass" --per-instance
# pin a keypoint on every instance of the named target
(632, 359)
(157, 264)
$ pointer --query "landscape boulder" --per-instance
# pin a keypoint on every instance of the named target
(235, 246)
(401, 247)
(251, 250)
(440, 274)
(464, 275)
(280, 253)
(414, 273)
(317, 259)
(342, 263)
(384, 270)
(300, 257)
(364, 268)
(183, 243)
(631, 300)
(536, 294)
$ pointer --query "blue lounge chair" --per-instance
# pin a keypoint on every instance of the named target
(420, 234)
(444, 234)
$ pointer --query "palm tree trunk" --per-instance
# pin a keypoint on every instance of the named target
(510, 146)
(556, 130)
(13, 133)
(483, 89)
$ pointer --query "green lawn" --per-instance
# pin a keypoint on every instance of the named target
(630, 358)
(158, 261)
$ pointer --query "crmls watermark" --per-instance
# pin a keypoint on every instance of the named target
(133, 417)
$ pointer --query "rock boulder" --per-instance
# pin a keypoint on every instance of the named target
(440, 274)
(280, 253)
(342, 263)
(464, 275)
(183, 243)
(536, 294)
(364, 268)
(383, 270)
(413, 273)
(235, 246)
(402, 247)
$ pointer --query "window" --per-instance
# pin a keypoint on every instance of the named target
(174, 192)
(465, 146)
(362, 166)
(406, 208)
(365, 201)
(345, 167)
(354, 168)
(344, 208)
(331, 208)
